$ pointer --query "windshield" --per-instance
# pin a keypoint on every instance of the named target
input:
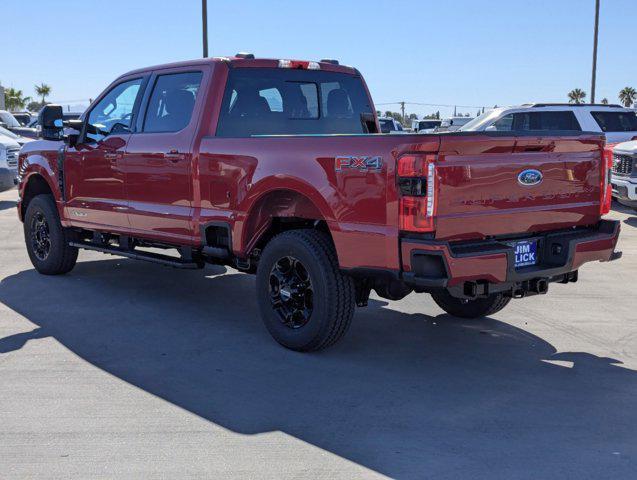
(9, 119)
(479, 122)
(7, 133)
(386, 125)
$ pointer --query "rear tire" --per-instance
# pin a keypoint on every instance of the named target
(480, 307)
(306, 302)
(46, 240)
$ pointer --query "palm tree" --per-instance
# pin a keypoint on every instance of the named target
(576, 95)
(43, 90)
(14, 100)
(627, 96)
(604, 101)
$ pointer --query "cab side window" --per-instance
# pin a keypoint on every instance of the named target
(546, 121)
(172, 102)
(114, 112)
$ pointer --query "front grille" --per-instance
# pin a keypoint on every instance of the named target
(622, 164)
(12, 157)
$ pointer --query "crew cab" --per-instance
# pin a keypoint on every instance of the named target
(277, 167)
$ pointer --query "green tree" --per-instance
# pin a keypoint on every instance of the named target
(604, 101)
(43, 90)
(14, 99)
(627, 96)
(577, 95)
(35, 106)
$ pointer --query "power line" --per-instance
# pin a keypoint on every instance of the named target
(430, 104)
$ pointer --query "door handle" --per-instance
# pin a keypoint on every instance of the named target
(173, 155)
(111, 156)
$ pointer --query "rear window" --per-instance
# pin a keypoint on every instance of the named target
(270, 101)
(616, 121)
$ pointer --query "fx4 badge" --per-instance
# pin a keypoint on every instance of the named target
(365, 164)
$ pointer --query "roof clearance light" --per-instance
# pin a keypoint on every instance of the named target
(285, 64)
(313, 66)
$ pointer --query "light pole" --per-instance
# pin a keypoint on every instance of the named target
(595, 51)
(204, 25)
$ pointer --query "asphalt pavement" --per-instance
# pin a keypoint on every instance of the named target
(124, 369)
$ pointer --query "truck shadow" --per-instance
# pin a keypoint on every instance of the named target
(407, 395)
(6, 205)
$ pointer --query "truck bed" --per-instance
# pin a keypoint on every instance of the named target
(478, 192)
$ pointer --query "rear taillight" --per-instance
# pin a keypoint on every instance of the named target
(606, 190)
(417, 187)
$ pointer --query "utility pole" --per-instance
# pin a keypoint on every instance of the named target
(595, 51)
(204, 24)
(402, 109)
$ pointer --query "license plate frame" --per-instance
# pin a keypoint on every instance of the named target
(525, 253)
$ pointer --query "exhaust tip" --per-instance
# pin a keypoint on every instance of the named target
(541, 286)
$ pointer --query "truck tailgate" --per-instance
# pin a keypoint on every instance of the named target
(480, 195)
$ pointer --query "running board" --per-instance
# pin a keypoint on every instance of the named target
(146, 256)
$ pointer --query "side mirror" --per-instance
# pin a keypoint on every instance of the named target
(51, 121)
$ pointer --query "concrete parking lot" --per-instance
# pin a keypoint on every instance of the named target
(124, 369)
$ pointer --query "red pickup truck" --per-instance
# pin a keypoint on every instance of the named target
(276, 167)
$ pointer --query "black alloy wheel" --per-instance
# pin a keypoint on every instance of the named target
(291, 292)
(40, 236)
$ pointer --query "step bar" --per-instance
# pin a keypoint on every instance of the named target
(145, 256)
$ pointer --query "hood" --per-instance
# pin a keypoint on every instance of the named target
(22, 140)
(626, 147)
(7, 142)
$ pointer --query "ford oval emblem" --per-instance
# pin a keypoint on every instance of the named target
(530, 177)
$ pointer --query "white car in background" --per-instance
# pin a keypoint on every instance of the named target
(426, 125)
(624, 177)
(390, 125)
(9, 150)
(453, 124)
(619, 124)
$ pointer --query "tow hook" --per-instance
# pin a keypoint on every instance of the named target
(615, 256)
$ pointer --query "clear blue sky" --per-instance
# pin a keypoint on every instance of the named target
(464, 52)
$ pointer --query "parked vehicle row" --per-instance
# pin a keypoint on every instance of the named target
(8, 121)
(269, 166)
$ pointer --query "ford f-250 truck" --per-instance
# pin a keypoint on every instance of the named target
(275, 167)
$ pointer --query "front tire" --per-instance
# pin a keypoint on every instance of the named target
(46, 240)
(306, 302)
(480, 307)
